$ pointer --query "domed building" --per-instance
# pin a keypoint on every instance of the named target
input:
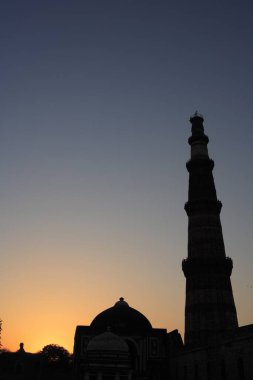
(107, 353)
(121, 344)
(122, 319)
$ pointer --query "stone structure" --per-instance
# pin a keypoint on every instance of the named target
(107, 354)
(22, 365)
(210, 307)
(228, 356)
(215, 347)
(121, 344)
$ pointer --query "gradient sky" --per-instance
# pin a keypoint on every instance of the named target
(94, 107)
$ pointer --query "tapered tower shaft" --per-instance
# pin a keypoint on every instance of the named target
(210, 307)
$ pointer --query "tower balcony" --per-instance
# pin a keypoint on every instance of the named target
(203, 205)
(198, 137)
(203, 162)
(208, 265)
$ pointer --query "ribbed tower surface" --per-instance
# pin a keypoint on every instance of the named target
(210, 307)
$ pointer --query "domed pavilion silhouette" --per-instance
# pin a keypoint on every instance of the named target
(141, 347)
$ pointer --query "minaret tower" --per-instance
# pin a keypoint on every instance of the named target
(209, 307)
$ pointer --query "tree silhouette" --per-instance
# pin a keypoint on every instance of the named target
(54, 354)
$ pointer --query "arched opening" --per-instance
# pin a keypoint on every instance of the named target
(133, 353)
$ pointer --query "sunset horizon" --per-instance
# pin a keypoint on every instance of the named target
(95, 106)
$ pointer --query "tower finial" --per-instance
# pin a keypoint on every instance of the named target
(196, 115)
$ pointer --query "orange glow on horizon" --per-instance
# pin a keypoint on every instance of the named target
(39, 327)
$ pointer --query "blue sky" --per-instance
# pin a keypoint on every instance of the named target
(95, 102)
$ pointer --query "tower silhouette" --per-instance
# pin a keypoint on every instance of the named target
(210, 307)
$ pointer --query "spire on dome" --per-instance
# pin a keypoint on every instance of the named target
(121, 302)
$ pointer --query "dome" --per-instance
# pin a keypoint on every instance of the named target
(107, 341)
(122, 319)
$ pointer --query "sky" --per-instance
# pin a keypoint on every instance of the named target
(95, 103)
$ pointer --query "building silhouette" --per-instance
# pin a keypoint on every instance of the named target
(23, 365)
(210, 307)
(121, 344)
